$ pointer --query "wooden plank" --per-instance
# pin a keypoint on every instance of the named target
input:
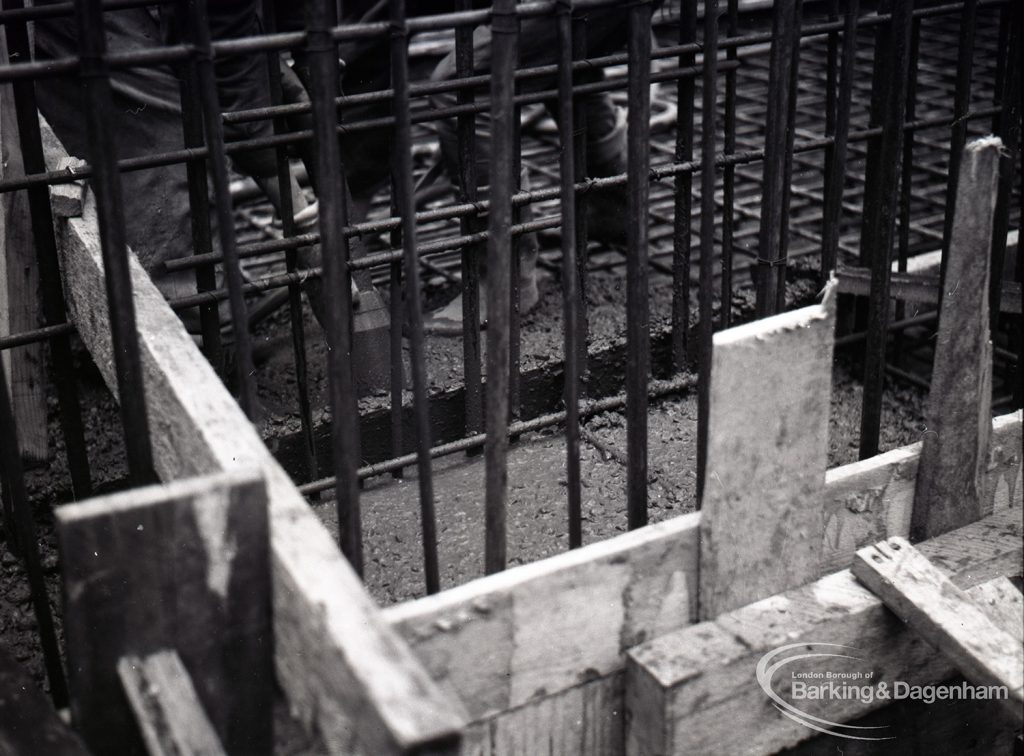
(336, 658)
(585, 720)
(166, 706)
(532, 631)
(761, 516)
(696, 690)
(928, 602)
(1003, 602)
(182, 566)
(19, 287)
(950, 478)
(28, 722)
(478, 647)
(870, 500)
(918, 288)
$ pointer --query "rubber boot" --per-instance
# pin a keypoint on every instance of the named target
(607, 209)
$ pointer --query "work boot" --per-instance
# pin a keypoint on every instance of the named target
(607, 209)
(447, 321)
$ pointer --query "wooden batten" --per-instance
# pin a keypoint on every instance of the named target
(181, 567)
(696, 690)
(1003, 602)
(927, 601)
(918, 288)
(338, 661)
(761, 513)
(166, 706)
(951, 477)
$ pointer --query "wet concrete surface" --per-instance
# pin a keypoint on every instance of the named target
(537, 494)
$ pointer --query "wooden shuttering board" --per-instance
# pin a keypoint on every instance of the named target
(584, 720)
(951, 476)
(185, 567)
(480, 640)
(1003, 602)
(927, 601)
(335, 657)
(761, 514)
(166, 706)
(918, 288)
(521, 635)
(872, 499)
(696, 690)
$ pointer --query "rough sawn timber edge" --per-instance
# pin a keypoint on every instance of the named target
(761, 513)
(336, 658)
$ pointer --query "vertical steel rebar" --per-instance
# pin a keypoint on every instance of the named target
(62, 371)
(199, 32)
(16, 498)
(835, 173)
(637, 305)
(287, 210)
(322, 53)
(579, 147)
(682, 229)
(402, 178)
(778, 155)
(505, 31)
(106, 185)
(958, 128)
(1002, 61)
(198, 194)
(472, 379)
(831, 108)
(1007, 126)
(396, 308)
(1017, 334)
(515, 266)
(906, 180)
(709, 118)
(787, 171)
(888, 110)
(570, 273)
(729, 171)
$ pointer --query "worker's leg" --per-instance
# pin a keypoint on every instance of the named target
(148, 119)
(606, 132)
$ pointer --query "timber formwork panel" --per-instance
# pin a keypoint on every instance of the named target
(505, 647)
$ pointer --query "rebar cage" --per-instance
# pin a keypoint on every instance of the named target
(759, 139)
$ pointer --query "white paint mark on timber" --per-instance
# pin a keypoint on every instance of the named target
(841, 589)
(211, 518)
